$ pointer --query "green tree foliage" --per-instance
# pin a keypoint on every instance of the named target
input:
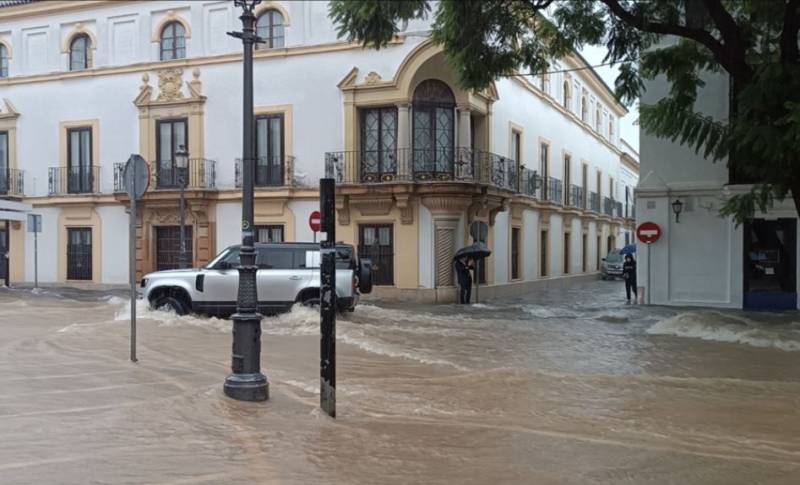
(754, 42)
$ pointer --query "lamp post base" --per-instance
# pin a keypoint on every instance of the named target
(247, 387)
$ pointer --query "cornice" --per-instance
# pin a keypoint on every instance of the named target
(54, 7)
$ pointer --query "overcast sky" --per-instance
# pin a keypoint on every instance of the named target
(628, 129)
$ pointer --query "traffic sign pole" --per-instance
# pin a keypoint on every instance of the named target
(137, 179)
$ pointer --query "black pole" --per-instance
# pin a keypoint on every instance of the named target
(327, 300)
(182, 257)
(246, 382)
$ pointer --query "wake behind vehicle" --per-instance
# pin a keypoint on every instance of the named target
(288, 273)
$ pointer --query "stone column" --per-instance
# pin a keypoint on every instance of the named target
(403, 142)
(464, 168)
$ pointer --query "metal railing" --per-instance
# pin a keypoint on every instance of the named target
(423, 165)
(530, 184)
(200, 174)
(73, 180)
(555, 191)
(269, 172)
(618, 209)
(12, 182)
(594, 202)
(576, 198)
(608, 206)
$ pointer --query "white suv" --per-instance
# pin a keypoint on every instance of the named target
(288, 273)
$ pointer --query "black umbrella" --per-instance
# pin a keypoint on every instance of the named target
(477, 250)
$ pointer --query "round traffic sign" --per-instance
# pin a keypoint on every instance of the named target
(648, 232)
(136, 176)
(314, 221)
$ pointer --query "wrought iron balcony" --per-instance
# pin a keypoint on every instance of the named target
(618, 209)
(12, 182)
(73, 180)
(576, 197)
(594, 202)
(270, 172)
(555, 191)
(530, 184)
(609, 206)
(199, 175)
(422, 165)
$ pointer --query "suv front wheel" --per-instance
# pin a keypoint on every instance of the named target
(171, 303)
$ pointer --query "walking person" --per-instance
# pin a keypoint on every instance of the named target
(462, 267)
(629, 273)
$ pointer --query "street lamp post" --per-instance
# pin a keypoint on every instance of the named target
(246, 382)
(181, 163)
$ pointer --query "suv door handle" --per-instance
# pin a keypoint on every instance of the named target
(295, 277)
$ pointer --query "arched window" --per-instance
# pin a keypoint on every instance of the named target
(3, 61)
(583, 109)
(610, 128)
(173, 41)
(270, 28)
(80, 53)
(597, 119)
(433, 130)
(566, 95)
(546, 84)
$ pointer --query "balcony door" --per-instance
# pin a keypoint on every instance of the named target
(79, 253)
(170, 136)
(433, 130)
(79, 161)
(5, 175)
(269, 150)
(378, 144)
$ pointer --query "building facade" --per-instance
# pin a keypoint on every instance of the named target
(417, 159)
(702, 258)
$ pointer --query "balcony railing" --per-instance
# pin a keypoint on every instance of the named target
(555, 191)
(530, 184)
(411, 165)
(630, 211)
(12, 182)
(608, 206)
(73, 180)
(199, 175)
(594, 202)
(618, 209)
(576, 198)
(269, 172)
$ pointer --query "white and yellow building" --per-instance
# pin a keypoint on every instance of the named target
(418, 159)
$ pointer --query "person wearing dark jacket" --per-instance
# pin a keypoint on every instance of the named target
(462, 267)
(629, 273)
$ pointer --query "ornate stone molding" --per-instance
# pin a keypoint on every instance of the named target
(517, 211)
(406, 206)
(502, 207)
(373, 206)
(10, 111)
(446, 204)
(343, 211)
(372, 78)
(169, 84)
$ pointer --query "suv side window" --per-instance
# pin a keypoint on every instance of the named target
(278, 258)
(230, 260)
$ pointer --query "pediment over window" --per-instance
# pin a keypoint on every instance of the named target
(170, 89)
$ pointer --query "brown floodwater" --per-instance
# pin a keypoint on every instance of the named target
(567, 386)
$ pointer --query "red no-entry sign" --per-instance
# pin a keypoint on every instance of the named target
(648, 232)
(314, 221)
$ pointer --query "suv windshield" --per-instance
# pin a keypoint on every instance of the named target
(614, 257)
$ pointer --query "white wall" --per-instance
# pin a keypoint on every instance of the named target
(229, 230)
(530, 244)
(114, 227)
(556, 236)
(48, 247)
(501, 253)
(302, 209)
(426, 250)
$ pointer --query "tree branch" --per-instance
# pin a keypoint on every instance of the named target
(701, 36)
(791, 26)
(731, 35)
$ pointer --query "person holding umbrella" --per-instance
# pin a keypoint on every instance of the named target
(462, 266)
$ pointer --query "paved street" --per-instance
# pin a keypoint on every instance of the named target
(588, 390)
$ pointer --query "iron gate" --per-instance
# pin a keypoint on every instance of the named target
(168, 247)
(376, 242)
(79, 253)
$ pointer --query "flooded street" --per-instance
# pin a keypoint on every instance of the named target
(567, 386)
